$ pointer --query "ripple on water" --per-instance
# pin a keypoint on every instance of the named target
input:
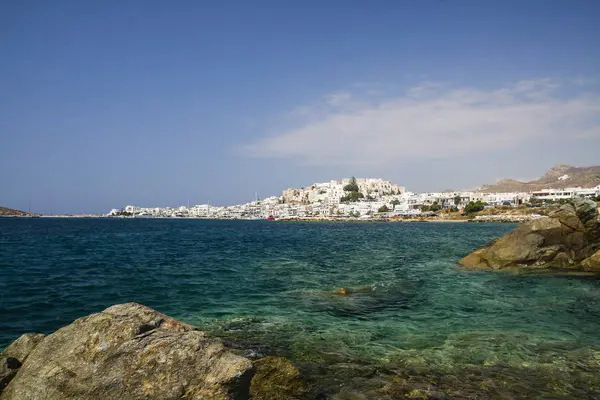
(413, 325)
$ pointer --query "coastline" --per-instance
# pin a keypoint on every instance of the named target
(297, 291)
(477, 219)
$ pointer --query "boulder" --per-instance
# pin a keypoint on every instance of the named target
(15, 354)
(569, 238)
(277, 379)
(130, 351)
(592, 263)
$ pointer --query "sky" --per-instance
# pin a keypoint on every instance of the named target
(156, 103)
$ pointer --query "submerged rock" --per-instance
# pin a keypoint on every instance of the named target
(345, 291)
(277, 379)
(130, 351)
(569, 238)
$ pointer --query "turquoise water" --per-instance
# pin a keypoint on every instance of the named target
(414, 323)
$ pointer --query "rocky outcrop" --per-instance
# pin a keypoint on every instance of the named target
(128, 351)
(569, 238)
(592, 263)
(13, 357)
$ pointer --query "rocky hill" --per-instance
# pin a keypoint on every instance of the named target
(559, 176)
(9, 212)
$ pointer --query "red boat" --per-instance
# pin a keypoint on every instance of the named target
(271, 218)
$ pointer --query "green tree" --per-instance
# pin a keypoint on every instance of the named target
(435, 207)
(351, 197)
(383, 209)
(474, 207)
(457, 200)
(395, 202)
(535, 200)
(352, 186)
(424, 208)
(352, 192)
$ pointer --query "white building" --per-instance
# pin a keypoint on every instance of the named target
(566, 193)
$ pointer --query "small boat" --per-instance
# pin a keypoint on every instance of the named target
(271, 218)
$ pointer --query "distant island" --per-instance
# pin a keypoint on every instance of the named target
(9, 212)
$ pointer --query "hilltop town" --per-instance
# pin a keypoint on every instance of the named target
(369, 198)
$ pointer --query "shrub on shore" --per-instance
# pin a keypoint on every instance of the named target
(475, 206)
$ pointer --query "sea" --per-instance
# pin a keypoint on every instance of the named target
(412, 324)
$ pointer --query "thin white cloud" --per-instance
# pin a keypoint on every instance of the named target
(433, 120)
(339, 99)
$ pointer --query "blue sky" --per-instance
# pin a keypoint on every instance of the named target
(157, 103)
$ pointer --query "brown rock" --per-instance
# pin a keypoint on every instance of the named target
(21, 347)
(592, 263)
(14, 355)
(130, 351)
(276, 379)
(563, 240)
(567, 216)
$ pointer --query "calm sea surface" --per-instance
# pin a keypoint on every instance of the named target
(415, 318)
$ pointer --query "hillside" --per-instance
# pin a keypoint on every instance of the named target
(559, 176)
(9, 212)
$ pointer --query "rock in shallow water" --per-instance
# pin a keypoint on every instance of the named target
(567, 239)
(277, 379)
(130, 351)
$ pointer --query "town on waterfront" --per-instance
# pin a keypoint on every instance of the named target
(360, 198)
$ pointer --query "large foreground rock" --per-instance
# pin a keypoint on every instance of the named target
(568, 239)
(130, 351)
(13, 357)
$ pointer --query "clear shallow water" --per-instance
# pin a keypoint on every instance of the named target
(416, 321)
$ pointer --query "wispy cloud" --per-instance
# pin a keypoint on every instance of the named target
(433, 120)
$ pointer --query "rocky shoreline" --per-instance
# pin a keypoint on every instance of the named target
(480, 218)
(508, 218)
(130, 351)
(567, 240)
